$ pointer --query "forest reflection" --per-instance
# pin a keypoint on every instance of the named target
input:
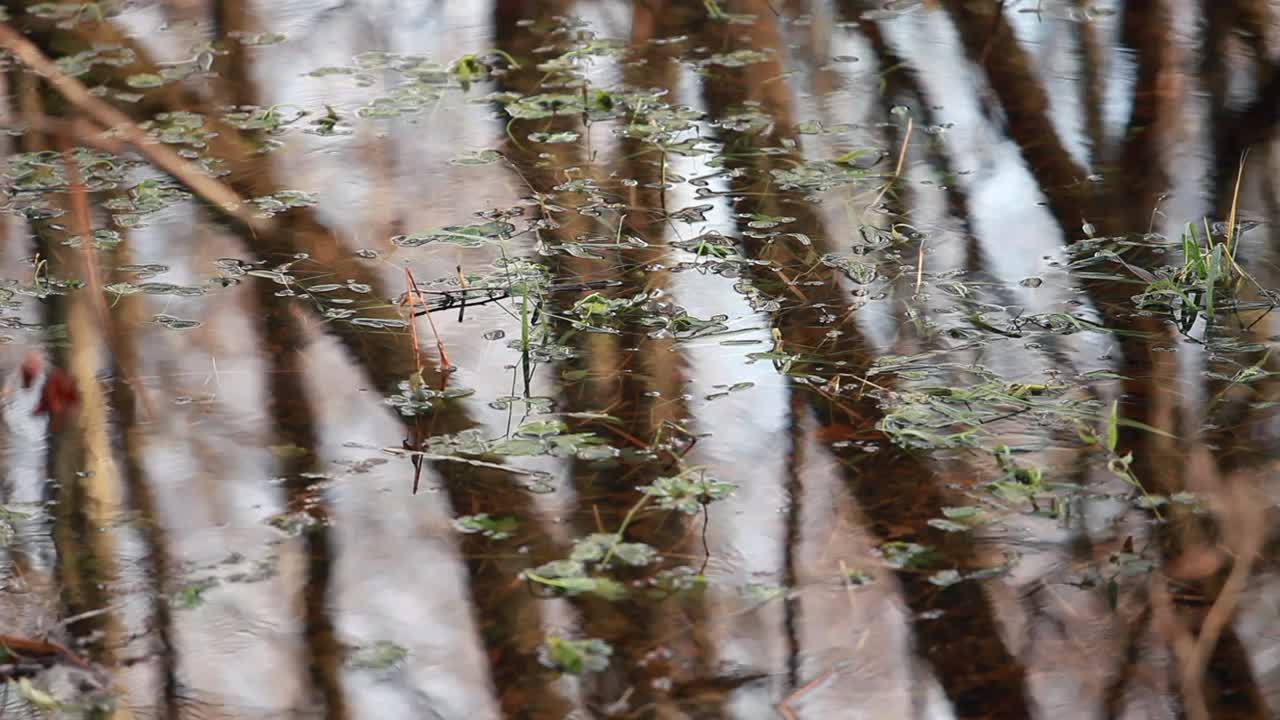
(664, 359)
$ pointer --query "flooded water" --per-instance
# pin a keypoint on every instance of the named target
(655, 359)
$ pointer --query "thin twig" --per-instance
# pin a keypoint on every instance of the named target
(784, 707)
(413, 297)
(1235, 199)
(790, 285)
(90, 614)
(897, 171)
(445, 366)
(920, 266)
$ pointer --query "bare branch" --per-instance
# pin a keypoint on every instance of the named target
(207, 188)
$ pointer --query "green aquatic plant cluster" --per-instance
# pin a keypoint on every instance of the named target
(1193, 281)
(595, 560)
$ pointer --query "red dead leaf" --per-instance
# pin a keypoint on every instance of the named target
(58, 397)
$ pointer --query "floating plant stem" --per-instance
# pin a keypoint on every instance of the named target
(622, 529)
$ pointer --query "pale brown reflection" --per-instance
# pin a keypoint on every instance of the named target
(961, 635)
(630, 376)
(1129, 197)
(133, 409)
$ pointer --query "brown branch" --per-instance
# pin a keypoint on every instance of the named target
(20, 646)
(289, 234)
(207, 188)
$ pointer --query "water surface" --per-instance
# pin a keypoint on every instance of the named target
(736, 358)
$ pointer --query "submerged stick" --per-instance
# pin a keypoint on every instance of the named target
(21, 646)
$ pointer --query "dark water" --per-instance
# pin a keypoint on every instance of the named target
(797, 359)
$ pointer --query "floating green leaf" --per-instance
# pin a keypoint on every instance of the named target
(687, 493)
(575, 656)
(907, 555)
(464, 235)
(191, 595)
(381, 655)
(495, 528)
